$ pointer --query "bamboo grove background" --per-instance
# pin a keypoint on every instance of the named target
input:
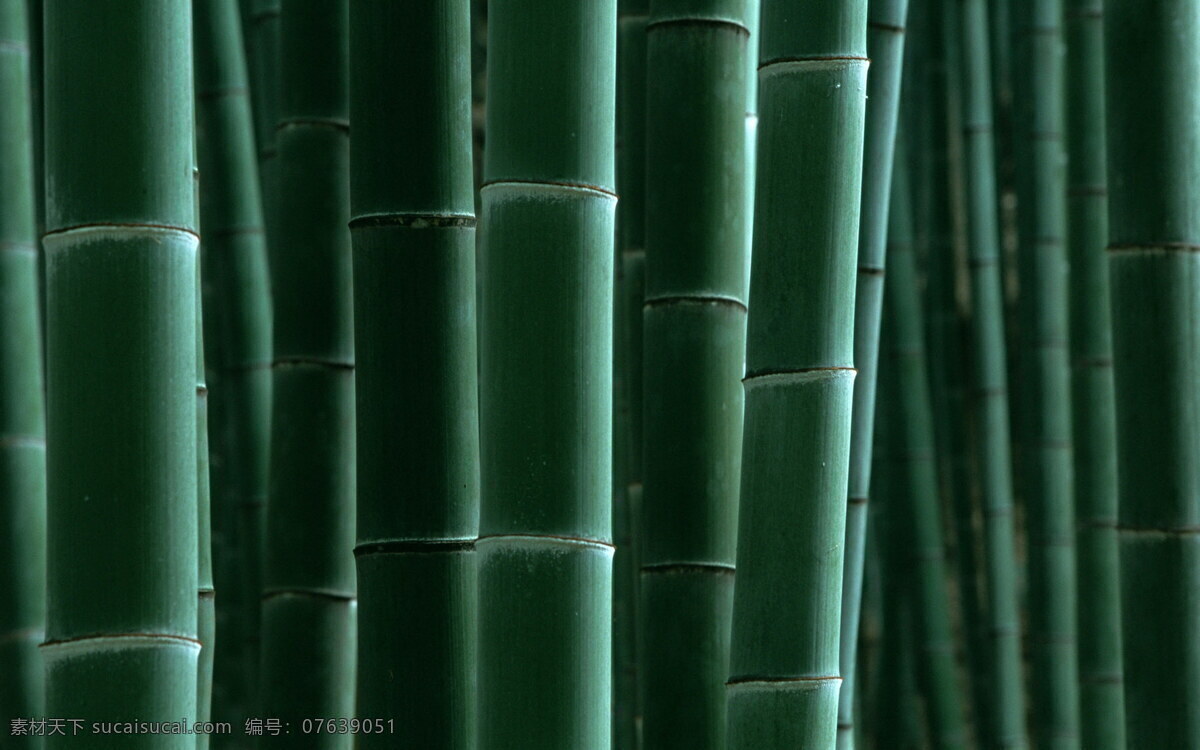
(584, 374)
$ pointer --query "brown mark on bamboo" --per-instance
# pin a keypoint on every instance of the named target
(414, 221)
(869, 270)
(890, 28)
(859, 500)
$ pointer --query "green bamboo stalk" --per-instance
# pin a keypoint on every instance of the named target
(627, 363)
(885, 44)
(1045, 426)
(1152, 54)
(121, 331)
(414, 293)
(989, 380)
(694, 345)
(783, 688)
(1101, 688)
(918, 503)
(545, 565)
(235, 277)
(263, 60)
(22, 415)
(206, 613)
(309, 579)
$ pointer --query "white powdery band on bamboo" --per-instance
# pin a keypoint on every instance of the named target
(61, 239)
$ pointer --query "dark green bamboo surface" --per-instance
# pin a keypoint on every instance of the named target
(627, 368)
(234, 272)
(1152, 53)
(989, 385)
(22, 415)
(1045, 416)
(263, 61)
(1101, 689)
(885, 44)
(122, 575)
(784, 674)
(917, 499)
(206, 613)
(694, 345)
(309, 579)
(417, 401)
(546, 334)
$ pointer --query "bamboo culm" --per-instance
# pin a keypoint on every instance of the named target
(308, 632)
(546, 267)
(784, 673)
(238, 317)
(121, 263)
(22, 411)
(885, 46)
(989, 385)
(1101, 688)
(414, 296)
(1152, 55)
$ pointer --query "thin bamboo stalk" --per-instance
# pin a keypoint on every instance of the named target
(694, 345)
(1152, 54)
(545, 553)
(1046, 481)
(121, 332)
(917, 501)
(309, 579)
(784, 675)
(206, 613)
(22, 411)
(989, 381)
(885, 45)
(1101, 688)
(414, 294)
(627, 369)
(234, 272)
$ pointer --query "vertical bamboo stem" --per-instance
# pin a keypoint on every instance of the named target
(309, 582)
(1101, 688)
(885, 45)
(414, 294)
(121, 332)
(783, 688)
(545, 553)
(1045, 376)
(990, 384)
(22, 412)
(695, 322)
(1152, 53)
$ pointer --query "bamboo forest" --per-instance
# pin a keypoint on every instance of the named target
(600, 374)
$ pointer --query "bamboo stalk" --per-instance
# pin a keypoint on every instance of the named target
(885, 45)
(414, 271)
(234, 266)
(121, 420)
(1152, 53)
(989, 383)
(22, 411)
(783, 688)
(1101, 687)
(309, 582)
(694, 345)
(1045, 376)
(206, 614)
(545, 565)
(627, 363)
(918, 498)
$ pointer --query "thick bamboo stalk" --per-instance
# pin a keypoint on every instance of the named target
(694, 346)
(989, 381)
(627, 364)
(1101, 689)
(22, 415)
(1152, 53)
(885, 45)
(414, 295)
(121, 331)
(309, 579)
(1045, 418)
(545, 557)
(234, 270)
(784, 674)
(917, 500)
